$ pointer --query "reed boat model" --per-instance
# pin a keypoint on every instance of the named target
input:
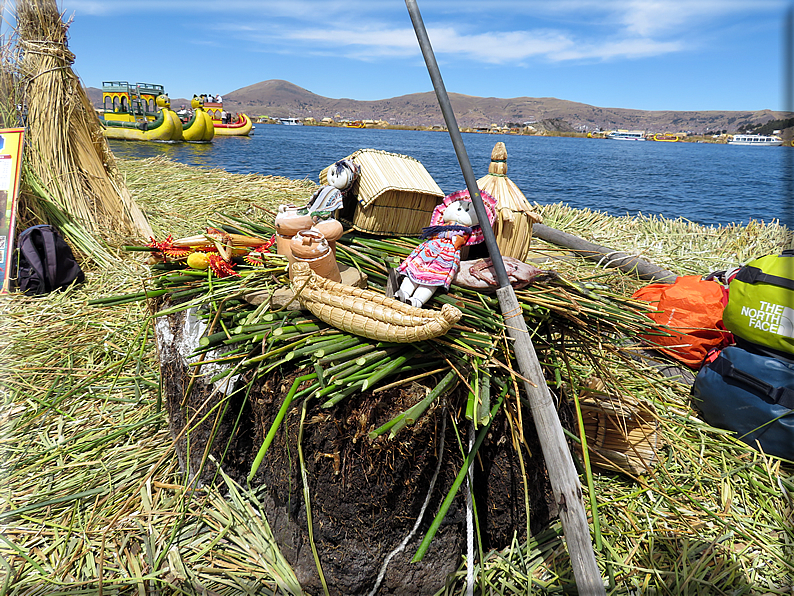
(367, 313)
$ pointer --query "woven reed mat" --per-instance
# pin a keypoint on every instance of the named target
(622, 432)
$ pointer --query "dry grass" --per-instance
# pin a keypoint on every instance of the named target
(676, 244)
(178, 199)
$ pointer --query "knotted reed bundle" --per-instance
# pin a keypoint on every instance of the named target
(367, 313)
(514, 214)
(65, 148)
(622, 432)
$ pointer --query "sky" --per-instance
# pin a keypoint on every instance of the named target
(642, 54)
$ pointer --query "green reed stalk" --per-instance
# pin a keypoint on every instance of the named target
(282, 412)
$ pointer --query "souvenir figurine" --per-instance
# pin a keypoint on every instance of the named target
(341, 176)
(435, 263)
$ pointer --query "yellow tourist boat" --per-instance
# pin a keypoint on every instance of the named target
(199, 128)
(242, 125)
(139, 113)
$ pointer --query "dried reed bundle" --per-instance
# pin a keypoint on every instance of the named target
(8, 112)
(515, 216)
(621, 431)
(368, 313)
(65, 146)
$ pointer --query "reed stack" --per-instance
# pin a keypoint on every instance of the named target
(65, 148)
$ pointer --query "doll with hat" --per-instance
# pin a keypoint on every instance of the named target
(435, 263)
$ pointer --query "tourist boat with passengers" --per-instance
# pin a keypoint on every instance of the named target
(140, 112)
(756, 140)
(626, 135)
(241, 126)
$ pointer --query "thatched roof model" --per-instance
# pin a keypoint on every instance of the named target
(394, 194)
(382, 172)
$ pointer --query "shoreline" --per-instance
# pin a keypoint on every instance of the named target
(719, 140)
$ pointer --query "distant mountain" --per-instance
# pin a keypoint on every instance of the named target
(94, 96)
(282, 99)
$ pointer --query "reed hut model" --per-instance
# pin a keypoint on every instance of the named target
(514, 214)
(394, 195)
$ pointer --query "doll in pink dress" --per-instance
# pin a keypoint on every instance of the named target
(435, 263)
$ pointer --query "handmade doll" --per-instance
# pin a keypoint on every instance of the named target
(435, 262)
(327, 199)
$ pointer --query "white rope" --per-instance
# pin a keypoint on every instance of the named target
(470, 519)
(405, 540)
(624, 259)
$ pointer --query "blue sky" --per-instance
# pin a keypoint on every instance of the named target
(643, 54)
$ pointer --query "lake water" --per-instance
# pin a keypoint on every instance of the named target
(703, 182)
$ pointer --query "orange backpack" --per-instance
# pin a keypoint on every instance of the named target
(690, 309)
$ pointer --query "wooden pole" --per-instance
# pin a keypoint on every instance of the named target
(606, 256)
(559, 462)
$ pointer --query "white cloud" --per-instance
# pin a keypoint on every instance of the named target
(495, 47)
(564, 30)
(499, 47)
(649, 17)
(381, 41)
(626, 48)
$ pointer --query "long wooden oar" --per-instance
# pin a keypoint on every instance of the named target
(559, 462)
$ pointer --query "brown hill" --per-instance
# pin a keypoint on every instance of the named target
(282, 99)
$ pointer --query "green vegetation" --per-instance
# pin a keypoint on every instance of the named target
(93, 494)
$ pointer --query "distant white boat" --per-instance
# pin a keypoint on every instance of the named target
(291, 121)
(626, 135)
(756, 140)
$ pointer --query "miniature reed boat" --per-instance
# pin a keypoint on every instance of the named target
(367, 313)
